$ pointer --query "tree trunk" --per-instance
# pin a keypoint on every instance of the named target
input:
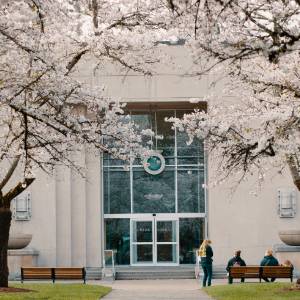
(5, 219)
(294, 168)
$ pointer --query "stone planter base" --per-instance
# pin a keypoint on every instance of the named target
(21, 258)
(290, 237)
(292, 253)
(19, 240)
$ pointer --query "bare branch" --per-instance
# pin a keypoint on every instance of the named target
(10, 172)
(17, 190)
(95, 13)
(75, 60)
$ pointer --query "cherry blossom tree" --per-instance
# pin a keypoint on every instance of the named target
(47, 109)
(255, 45)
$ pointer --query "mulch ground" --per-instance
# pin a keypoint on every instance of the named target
(294, 287)
(14, 290)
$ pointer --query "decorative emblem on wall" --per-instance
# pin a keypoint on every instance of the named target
(154, 163)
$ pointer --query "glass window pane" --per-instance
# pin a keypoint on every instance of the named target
(166, 253)
(117, 233)
(188, 154)
(190, 160)
(153, 193)
(109, 161)
(116, 184)
(142, 231)
(142, 253)
(144, 120)
(166, 231)
(164, 129)
(191, 196)
(191, 235)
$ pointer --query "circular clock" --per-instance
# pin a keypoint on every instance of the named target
(154, 163)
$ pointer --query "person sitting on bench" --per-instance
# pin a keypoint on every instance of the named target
(287, 263)
(269, 260)
(234, 262)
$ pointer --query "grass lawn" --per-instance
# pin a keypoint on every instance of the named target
(253, 291)
(43, 291)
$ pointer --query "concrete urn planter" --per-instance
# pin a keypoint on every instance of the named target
(19, 240)
(290, 237)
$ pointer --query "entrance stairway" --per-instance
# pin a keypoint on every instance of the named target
(142, 273)
(93, 273)
(161, 272)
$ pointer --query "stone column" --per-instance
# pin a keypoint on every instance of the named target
(63, 216)
(78, 211)
(93, 209)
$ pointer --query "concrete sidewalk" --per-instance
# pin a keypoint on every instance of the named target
(172, 289)
(182, 289)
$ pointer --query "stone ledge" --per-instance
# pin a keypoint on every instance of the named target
(23, 252)
(286, 248)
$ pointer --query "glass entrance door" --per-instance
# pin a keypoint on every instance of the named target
(154, 241)
(166, 241)
(142, 242)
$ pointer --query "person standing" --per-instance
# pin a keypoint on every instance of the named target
(269, 260)
(206, 254)
(235, 261)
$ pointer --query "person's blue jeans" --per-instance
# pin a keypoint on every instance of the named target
(207, 270)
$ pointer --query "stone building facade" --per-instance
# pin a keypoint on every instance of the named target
(160, 218)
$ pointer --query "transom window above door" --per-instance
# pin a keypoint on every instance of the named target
(172, 180)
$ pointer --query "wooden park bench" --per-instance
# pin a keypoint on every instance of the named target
(276, 272)
(39, 273)
(244, 272)
(261, 272)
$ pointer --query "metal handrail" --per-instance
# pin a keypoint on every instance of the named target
(109, 255)
(197, 264)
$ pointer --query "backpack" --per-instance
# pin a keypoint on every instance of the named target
(237, 264)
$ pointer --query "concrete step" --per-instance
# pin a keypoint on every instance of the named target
(219, 272)
(93, 273)
(217, 275)
(154, 275)
(155, 272)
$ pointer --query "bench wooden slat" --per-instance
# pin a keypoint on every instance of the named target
(36, 273)
(53, 273)
(244, 272)
(276, 271)
(261, 272)
(70, 273)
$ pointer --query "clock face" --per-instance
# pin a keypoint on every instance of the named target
(154, 164)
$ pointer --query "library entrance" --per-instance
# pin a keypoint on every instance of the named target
(154, 241)
(155, 207)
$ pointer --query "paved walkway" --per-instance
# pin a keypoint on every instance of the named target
(184, 289)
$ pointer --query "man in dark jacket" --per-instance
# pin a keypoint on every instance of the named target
(269, 260)
(235, 261)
